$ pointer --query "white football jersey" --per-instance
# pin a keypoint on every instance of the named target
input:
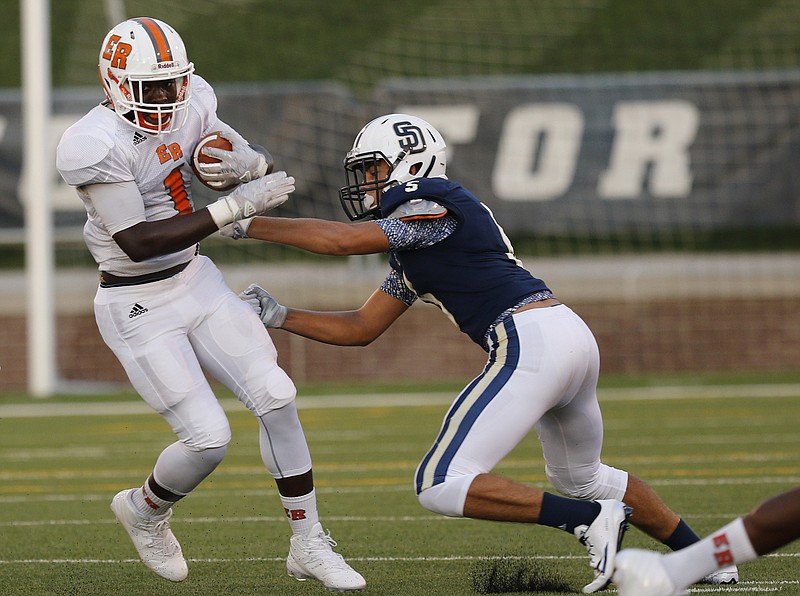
(101, 148)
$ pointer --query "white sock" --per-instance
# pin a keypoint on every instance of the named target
(729, 545)
(301, 512)
(147, 503)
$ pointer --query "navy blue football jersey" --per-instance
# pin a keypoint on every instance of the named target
(472, 275)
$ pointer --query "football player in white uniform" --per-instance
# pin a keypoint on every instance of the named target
(446, 248)
(164, 310)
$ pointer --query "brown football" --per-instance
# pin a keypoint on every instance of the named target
(212, 139)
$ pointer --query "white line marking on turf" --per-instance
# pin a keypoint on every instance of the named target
(790, 481)
(281, 559)
(743, 587)
(699, 391)
(432, 559)
(45, 409)
(232, 519)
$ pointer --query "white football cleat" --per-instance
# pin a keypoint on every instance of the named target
(602, 538)
(312, 557)
(641, 573)
(157, 546)
(726, 575)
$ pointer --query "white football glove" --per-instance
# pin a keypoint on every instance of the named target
(253, 198)
(236, 230)
(272, 314)
(240, 164)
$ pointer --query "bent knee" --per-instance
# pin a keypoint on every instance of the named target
(217, 440)
(589, 482)
(274, 391)
(448, 497)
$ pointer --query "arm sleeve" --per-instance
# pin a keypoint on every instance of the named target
(413, 234)
(397, 288)
(118, 204)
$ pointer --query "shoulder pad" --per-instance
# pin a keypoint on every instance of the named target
(200, 84)
(203, 96)
(418, 208)
(79, 152)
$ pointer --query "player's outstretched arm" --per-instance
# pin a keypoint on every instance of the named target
(316, 235)
(342, 328)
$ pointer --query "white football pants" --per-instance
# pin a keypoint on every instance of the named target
(166, 332)
(542, 373)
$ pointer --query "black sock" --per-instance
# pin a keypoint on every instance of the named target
(567, 514)
(682, 537)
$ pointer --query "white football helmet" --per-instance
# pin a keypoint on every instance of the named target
(410, 145)
(139, 51)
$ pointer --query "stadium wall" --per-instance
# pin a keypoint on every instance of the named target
(659, 314)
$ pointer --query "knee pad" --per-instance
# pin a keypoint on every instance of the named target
(213, 437)
(448, 497)
(589, 483)
(275, 391)
(199, 425)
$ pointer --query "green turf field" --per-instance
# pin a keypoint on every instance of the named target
(711, 457)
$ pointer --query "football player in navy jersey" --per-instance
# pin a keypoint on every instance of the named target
(446, 248)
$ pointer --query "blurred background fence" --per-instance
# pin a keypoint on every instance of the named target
(642, 156)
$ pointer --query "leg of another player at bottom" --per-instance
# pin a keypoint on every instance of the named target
(772, 524)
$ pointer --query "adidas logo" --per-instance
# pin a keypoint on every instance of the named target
(138, 138)
(137, 310)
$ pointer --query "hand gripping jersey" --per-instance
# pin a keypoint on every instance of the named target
(472, 275)
(101, 148)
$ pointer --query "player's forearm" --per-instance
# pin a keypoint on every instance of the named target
(342, 328)
(147, 240)
(320, 236)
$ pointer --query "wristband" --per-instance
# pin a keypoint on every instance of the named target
(221, 212)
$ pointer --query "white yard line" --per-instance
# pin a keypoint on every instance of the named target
(403, 487)
(392, 559)
(43, 409)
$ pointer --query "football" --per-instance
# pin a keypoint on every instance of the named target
(212, 139)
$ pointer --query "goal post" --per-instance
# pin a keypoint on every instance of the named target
(37, 190)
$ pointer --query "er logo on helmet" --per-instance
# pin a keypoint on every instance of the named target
(121, 52)
(410, 137)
